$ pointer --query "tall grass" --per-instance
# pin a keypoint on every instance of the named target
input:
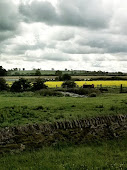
(18, 109)
(105, 155)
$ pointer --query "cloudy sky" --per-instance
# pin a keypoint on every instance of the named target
(59, 34)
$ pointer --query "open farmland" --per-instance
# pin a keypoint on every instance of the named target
(28, 107)
(53, 84)
(108, 155)
(103, 83)
(112, 83)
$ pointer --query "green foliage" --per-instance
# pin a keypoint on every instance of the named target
(92, 95)
(3, 84)
(49, 92)
(83, 91)
(3, 72)
(39, 84)
(69, 84)
(66, 156)
(50, 109)
(58, 73)
(37, 73)
(20, 85)
(65, 77)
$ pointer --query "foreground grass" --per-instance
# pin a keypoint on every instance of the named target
(104, 155)
(25, 108)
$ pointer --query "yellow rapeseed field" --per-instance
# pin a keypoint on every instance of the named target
(54, 84)
(103, 83)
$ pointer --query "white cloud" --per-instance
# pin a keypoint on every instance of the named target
(77, 34)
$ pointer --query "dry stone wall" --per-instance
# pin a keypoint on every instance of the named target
(76, 131)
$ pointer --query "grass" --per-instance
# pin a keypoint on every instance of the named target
(29, 108)
(105, 155)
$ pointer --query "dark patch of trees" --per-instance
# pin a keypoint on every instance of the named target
(64, 77)
(3, 85)
(58, 73)
(3, 72)
(37, 73)
(20, 85)
(39, 84)
(69, 84)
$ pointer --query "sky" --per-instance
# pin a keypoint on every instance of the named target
(72, 34)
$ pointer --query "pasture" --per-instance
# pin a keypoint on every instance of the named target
(29, 107)
(99, 155)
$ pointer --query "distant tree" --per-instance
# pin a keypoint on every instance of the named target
(39, 84)
(3, 72)
(15, 69)
(69, 84)
(66, 77)
(37, 73)
(16, 73)
(3, 84)
(58, 73)
(20, 85)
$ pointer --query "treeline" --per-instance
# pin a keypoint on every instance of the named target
(109, 78)
(39, 72)
(22, 85)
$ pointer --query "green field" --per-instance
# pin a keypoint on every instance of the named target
(28, 107)
(108, 155)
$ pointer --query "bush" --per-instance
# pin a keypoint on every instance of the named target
(20, 85)
(37, 73)
(3, 85)
(49, 92)
(93, 95)
(69, 84)
(3, 72)
(39, 84)
(82, 91)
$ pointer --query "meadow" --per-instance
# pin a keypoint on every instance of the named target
(29, 107)
(33, 107)
(91, 156)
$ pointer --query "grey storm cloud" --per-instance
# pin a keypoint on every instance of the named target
(39, 11)
(82, 13)
(104, 42)
(9, 19)
(48, 56)
(89, 31)
(57, 56)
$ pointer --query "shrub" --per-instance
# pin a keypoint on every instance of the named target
(20, 85)
(3, 72)
(69, 84)
(66, 77)
(82, 91)
(38, 84)
(93, 95)
(49, 92)
(3, 85)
